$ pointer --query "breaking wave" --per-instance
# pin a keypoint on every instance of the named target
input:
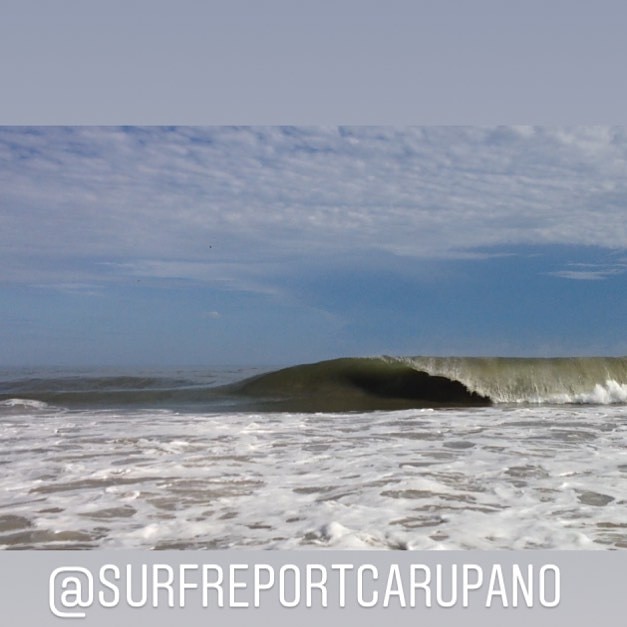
(347, 384)
(388, 382)
(600, 380)
(357, 384)
(27, 403)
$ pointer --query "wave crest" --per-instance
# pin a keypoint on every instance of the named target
(25, 403)
(561, 380)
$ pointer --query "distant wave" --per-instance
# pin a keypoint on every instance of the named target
(28, 403)
(109, 391)
(347, 384)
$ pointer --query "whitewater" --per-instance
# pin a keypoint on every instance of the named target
(216, 459)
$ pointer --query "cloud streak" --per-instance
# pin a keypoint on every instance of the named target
(591, 271)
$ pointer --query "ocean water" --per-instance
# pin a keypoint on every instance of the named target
(534, 456)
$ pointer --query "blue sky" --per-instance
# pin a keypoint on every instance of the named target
(219, 245)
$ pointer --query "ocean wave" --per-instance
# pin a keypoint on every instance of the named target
(26, 403)
(357, 384)
(346, 384)
(401, 382)
(558, 380)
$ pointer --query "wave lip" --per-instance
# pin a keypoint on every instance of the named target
(556, 380)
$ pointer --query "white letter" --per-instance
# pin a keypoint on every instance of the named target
(320, 585)
(438, 588)
(493, 590)
(519, 583)
(282, 599)
(394, 587)
(233, 585)
(556, 572)
(129, 586)
(262, 586)
(466, 585)
(216, 585)
(424, 585)
(360, 585)
(184, 585)
(342, 587)
(109, 584)
(163, 585)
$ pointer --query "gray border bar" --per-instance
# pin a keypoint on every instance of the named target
(285, 62)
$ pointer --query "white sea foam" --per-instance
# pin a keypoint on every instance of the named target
(23, 402)
(611, 392)
(488, 478)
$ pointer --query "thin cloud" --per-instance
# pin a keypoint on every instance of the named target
(590, 271)
(83, 289)
(581, 275)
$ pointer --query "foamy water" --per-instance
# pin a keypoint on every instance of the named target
(509, 477)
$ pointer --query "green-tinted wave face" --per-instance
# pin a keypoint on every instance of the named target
(356, 385)
(404, 382)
